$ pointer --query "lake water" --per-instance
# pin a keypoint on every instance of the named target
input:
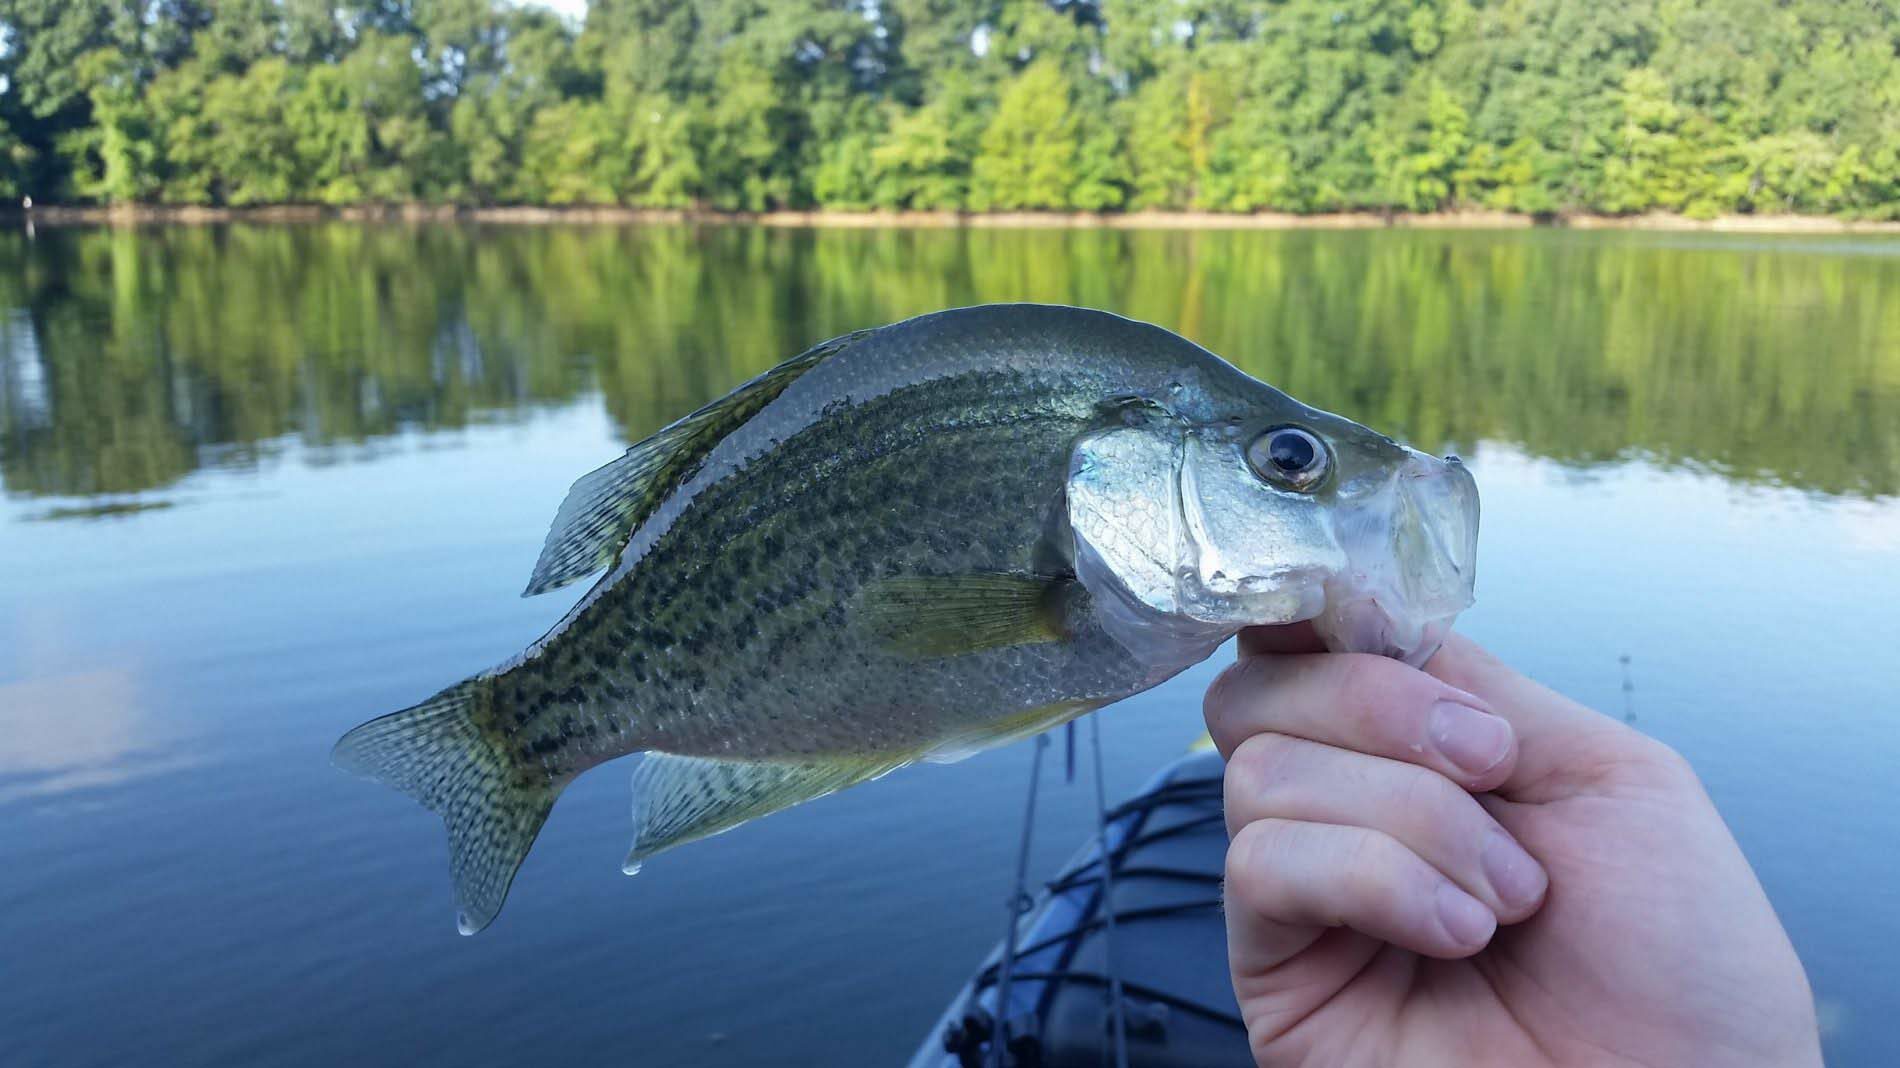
(263, 483)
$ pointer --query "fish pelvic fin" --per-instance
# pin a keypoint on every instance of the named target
(950, 615)
(679, 799)
(440, 753)
(604, 506)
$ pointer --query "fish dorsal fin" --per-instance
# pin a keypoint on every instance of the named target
(604, 506)
(678, 799)
(950, 615)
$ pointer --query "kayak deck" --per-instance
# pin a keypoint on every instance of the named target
(1168, 948)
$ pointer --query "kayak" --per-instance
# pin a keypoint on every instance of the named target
(1152, 950)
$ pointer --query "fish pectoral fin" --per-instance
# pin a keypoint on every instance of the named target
(949, 615)
(604, 506)
(679, 799)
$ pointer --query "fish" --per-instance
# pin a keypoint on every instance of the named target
(912, 543)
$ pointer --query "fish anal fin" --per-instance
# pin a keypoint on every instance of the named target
(604, 506)
(1007, 729)
(950, 615)
(678, 799)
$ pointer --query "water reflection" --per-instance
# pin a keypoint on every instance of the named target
(99, 736)
(130, 358)
(177, 846)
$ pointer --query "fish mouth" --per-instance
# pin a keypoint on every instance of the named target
(1412, 563)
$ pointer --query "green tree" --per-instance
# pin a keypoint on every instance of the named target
(661, 139)
(45, 43)
(16, 159)
(529, 64)
(115, 155)
(572, 155)
(923, 160)
(1028, 153)
(1656, 157)
(1435, 174)
(258, 132)
(1538, 106)
(1167, 121)
(1101, 168)
(747, 129)
(845, 175)
(238, 34)
(363, 132)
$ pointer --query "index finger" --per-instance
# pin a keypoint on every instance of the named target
(1361, 702)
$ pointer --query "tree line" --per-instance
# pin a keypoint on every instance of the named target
(1536, 106)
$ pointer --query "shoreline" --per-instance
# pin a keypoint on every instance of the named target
(157, 214)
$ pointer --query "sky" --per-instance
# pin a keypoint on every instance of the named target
(571, 8)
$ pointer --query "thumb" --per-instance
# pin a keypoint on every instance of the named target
(1557, 737)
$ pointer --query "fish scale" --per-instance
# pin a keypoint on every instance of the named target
(907, 543)
(855, 505)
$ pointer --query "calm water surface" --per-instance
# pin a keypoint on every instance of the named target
(263, 483)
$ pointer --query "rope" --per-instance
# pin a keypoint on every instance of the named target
(1070, 935)
(1019, 902)
(1143, 992)
(1108, 900)
(1191, 792)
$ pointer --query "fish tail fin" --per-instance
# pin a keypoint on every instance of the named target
(439, 753)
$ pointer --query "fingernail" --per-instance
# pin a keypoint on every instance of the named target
(1475, 741)
(1518, 879)
(1464, 917)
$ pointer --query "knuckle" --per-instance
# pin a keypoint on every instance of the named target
(1257, 766)
(1670, 766)
(1259, 760)
(1249, 856)
(1436, 800)
(1667, 758)
(1372, 862)
(1263, 1034)
(1623, 756)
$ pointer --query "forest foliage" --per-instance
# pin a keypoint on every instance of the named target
(1539, 106)
(135, 356)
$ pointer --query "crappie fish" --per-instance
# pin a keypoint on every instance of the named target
(912, 543)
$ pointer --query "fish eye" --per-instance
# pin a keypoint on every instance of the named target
(1289, 457)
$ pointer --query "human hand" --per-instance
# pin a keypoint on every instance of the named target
(1457, 866)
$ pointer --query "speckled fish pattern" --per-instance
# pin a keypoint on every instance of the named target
(740, 626)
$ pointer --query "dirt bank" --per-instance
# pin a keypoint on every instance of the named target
(142, 214)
